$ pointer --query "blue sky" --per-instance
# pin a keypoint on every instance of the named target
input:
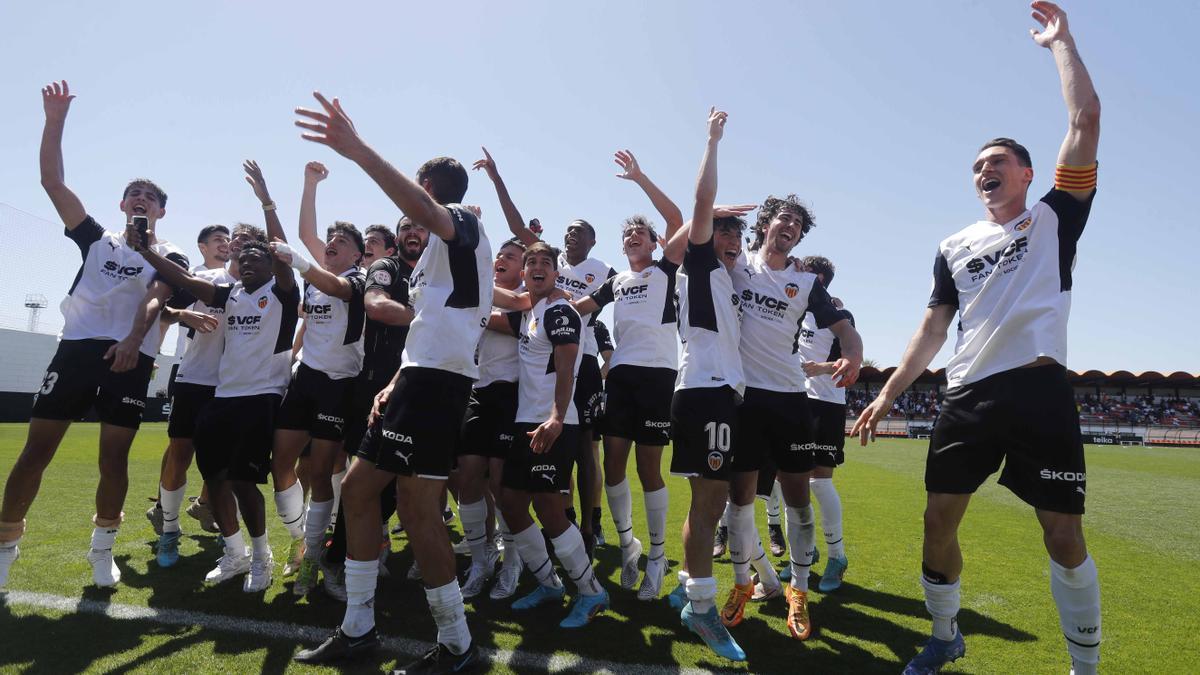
(871, 112)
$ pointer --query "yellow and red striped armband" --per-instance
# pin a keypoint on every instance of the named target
(1075, 178)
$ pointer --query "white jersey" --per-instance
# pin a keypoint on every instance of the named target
(1011, 284)
(497, 354)
(644, 317)
(109, 286)
(333, 329)
(259, 328)
(708, 322)
(201, 361)
(774, 303)
(580, 281)
(821, 346)
(451, 292)
(542, 328)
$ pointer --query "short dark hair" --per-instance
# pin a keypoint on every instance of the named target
(1019, 150)
(349, 230)
(255, 246)
(256, 233)
(449, 179)
(210, 231)
(514, 242)
(639, 221)
(147, 183)
(735, 224)
(819, 265)
(389, 237)
(586, 224)
(540, 248)
(772, 207)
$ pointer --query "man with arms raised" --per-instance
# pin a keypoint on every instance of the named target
(642, 376)
(233, 432)
(423, 407)
(1008, 278)
(106, 356)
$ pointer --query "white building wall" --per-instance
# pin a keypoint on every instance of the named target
(23, 359)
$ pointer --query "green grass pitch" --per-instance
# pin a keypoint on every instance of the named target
(1142, 528)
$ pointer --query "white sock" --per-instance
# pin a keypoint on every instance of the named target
(290, 505)
(758, 560)
(533, 551)
(569, 549)
(620, 505)
(1077, 595)
(315, 523)
(103, 538)
(171, 501)
(831, 514)
(235, 545)
(683, 576)
(942, 601)
(657, 503)
(361, 577)
(474, 522)
(446, 604)
(741, 536)
(701, 592)
(724, 522)
(774, 501)
(800, 541)
(261, 546)
(335, 482)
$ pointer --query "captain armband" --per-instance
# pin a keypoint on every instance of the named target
(1075, 178)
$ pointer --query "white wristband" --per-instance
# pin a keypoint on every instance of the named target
(299, 263)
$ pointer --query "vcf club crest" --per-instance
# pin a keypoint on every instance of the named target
(1025, 224)
(791, 290)
(262, 302)
(589, 277)
(715, 460)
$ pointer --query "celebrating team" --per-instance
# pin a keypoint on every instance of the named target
(429, 362)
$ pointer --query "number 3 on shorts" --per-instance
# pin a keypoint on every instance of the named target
(718, 436)
(48, 383)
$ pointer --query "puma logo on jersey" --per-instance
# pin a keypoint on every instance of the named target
(397, 437)
(1013, 253)
(405, 457)
(111, 245)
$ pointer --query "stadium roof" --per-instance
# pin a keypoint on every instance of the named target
(1118, 378)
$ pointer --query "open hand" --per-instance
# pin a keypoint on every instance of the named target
(865, 426)
(727, 210)
(56, 100)
(542, 438)
(487, 164)
(331, 126)
(1054, 24)
(198, 321)
(254, 177)
(124, 354)
(629, 166)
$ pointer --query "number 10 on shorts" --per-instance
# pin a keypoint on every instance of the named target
(718, 443)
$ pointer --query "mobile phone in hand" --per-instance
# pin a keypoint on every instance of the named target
(142, 224)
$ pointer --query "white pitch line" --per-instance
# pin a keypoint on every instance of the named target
(293, 632)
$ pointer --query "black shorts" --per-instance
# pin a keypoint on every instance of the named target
(421, 426)
(234, 435)
(549, 471)
(637, 404)
(186, 403)
(766, 479)
(316, 403)
(829, 432)
(775, 424)
(361, 401)
(487, 427)
(1025, 418)
(704, 426)
(589, 390)
(78, 377)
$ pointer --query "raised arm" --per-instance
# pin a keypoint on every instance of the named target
(332, 126)
(1078, 149)
(56, 100)
(512, 216)
(327, 282)
(254, 177)
(171, 273)
(921, 349)
(630, 170)
(314, 172)
(706, 182)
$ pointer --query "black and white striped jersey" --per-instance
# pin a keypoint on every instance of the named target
(547, 325)
(644, 316)
(1011, 284)
(580, 281)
